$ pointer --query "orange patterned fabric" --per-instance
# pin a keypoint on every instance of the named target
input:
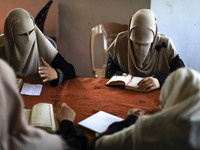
(89, 95)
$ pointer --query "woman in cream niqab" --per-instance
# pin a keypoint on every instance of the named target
(176, 127)
(138, 56)
(142, 51)
(15, 133)
(22, 44)
(143, 35)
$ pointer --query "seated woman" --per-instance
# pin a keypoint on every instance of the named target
(29, 53)
(175, 127)
(142, 51)
(16, 134)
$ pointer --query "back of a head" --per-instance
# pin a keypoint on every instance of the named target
(180, 86)
(180, 96)
(15, 133)
(8, 88)
(177, 126)
(10, 104)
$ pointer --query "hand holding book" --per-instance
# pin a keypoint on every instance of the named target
(148, 84)
(128, 81)
(131, 82)
(42, 116)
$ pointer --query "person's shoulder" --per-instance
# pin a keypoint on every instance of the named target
(166, 44)
(122, 37)
(164, 38)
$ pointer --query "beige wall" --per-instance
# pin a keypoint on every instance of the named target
(77, 17)
(33, 7)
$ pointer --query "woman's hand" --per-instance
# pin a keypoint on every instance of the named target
(149, 84)
(66, 113)
(136, 111)
(124, 74)
(47, 72)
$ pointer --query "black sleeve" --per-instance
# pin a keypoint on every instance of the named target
(72, 135)
(161, 79)
(175, 64)
(112, 69)
(115, 127)
(64, 69)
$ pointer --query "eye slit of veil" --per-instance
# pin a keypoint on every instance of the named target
(27, 33)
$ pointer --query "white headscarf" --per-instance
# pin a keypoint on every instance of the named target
(15, 133)
(23, 52)
(135, 50)
(176, 127)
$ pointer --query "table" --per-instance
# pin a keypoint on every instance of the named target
(90, 95)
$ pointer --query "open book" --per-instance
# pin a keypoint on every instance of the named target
(99, 122)
(42, 116)
(129, 82)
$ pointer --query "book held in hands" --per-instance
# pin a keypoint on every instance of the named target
(129, 82)
(42, 116)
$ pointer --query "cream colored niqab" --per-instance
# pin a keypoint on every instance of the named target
(134, 51)
(176, 127)
(23, 44)
(15, 133)
(142, 32)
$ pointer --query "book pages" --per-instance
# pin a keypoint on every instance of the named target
(100, 121)
(115, 80)
(134, 82)
(42, 116)
(31, 89)
(27, 115)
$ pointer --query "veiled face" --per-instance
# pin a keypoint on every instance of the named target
(143, 27)
(25, 40)
(20, 29)
(26, 33)
(18, 22)
(141, 35)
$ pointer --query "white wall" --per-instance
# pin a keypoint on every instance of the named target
(179, 19)
(77, 17)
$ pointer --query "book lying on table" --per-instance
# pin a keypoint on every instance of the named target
(129, 82)
(99, 122)
(42, 116)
